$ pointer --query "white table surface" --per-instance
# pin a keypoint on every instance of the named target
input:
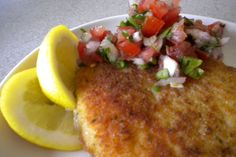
(23, 23)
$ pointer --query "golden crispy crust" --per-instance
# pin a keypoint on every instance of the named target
(120, 117)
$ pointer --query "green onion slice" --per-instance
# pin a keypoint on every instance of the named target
(155, 89)
(191, 67)
(163, 74)
(121, 64)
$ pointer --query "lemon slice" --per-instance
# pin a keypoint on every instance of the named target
(34, 117)
(57, 65)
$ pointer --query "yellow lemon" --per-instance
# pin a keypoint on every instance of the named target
(34, 117)
(57, 65)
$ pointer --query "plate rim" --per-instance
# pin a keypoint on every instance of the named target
(35, 50)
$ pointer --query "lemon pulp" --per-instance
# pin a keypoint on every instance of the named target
(34, 117)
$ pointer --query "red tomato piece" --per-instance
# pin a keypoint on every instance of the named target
(120, 37)
(99, 32)
(180, 50)
(171, 17)
(202, 55)
(145, 5)
(216, 29)
(95, 58)
(87, 58)
(148, 53)
(159, 9)
(152, 26)
(81, 50)
(129, 49)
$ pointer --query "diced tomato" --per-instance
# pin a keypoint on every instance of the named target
(129, 49)
(216, 29)
(87, 58)
(95, 58)
(180, 50)
(201, 54)
(99, 32)
(159, 9)
(148, 53)
(82, 49)
(171, 17)
(120, 37)
(145, 5)
(152, 26)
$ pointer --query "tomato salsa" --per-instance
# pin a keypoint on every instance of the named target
(154, 34)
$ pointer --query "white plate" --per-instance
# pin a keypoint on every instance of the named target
(12, 145)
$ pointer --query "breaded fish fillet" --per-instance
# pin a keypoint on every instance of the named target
(120, 117)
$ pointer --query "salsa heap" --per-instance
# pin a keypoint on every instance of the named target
(154, 34)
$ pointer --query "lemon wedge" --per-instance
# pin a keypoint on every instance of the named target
(34, 117)
(57, 66)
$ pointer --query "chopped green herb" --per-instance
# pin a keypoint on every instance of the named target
(133, 23)
(135, 6)
(144, 66)
(163, 74)
(123, 24)
(155, 89)
(83, 30)
(109, 37)
(121, 64)
(139, 17)
(104, 53)
(210, 46)
(190, 39)
(107, 55)
(190, 67)
(153, 61)
(127, 36)
(166, 34)
(188, 22)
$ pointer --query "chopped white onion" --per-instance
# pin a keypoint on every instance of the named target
(176, 85)
(198, 34)
(113, 55)
(92, 46)
(138, 61)
(174, 81)
(107, 44)
(224, 40)
(86, 36)
(137, 36)
(149, 41)
(178, 34)
(149, 13)
(201, 37)
(170, 64)
(158, 44)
